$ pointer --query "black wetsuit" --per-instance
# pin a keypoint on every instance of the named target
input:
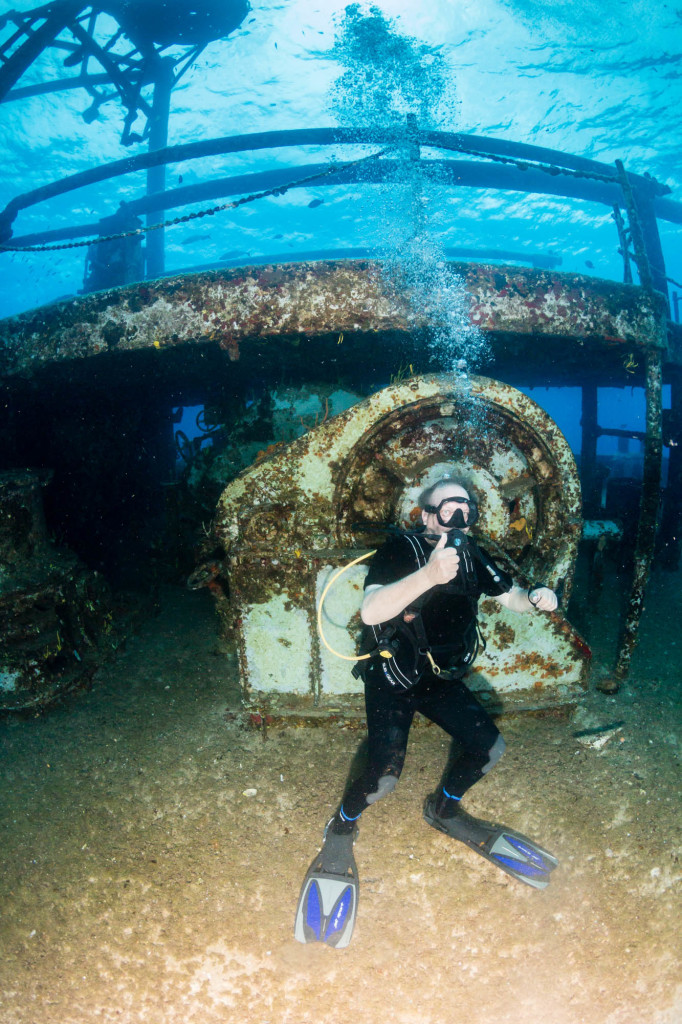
(395, 689)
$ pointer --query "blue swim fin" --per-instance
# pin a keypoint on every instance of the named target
(328, 902)
(512, 852)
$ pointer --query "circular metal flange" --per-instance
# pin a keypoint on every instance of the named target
(493, 438)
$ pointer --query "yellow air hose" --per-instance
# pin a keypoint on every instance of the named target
(346, 657)
(356, 657)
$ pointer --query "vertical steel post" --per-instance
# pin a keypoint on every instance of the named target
(648, 512)
(645, 237)
(670, 536)
(640, 254)
(651, 240)
(624, 246)
(653, 449)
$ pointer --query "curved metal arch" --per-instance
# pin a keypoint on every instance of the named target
(295, 138)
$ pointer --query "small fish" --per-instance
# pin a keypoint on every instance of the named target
(279, 236)
(233, 254)
(590, 264)
(599, 729)
(315, 203)
(179, 179)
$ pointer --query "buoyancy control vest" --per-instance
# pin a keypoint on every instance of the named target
(402, 647)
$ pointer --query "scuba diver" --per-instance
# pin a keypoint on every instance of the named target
(420, 638)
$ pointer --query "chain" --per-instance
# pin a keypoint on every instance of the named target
(525, 165)
(279, 191)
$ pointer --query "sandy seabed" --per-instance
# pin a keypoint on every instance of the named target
(140, 884)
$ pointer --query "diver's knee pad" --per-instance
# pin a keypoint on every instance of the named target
(385, 785)
(494, 754)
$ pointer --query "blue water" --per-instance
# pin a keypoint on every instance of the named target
(596, 78)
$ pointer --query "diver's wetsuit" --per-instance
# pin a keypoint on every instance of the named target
(396, 688)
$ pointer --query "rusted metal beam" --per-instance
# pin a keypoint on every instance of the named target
(670, 535)
(644, 233)
(243, 310)
(648, 514)
(57, 17)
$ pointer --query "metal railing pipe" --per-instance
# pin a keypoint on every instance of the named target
(296, 138)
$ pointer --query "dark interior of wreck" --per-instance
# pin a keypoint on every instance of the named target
(118, 493)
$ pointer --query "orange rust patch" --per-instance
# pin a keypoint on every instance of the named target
(548, 669)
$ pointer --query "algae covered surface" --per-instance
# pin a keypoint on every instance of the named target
(140, 883)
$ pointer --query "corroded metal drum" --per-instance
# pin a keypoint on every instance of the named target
(311, 507)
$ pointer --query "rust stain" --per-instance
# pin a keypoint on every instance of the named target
(546, 668)
(504, 634)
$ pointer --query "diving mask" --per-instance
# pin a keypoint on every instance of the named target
(450, 514)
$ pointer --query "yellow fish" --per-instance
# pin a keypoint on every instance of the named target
(522, 524)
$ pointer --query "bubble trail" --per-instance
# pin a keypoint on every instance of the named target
(391, 80)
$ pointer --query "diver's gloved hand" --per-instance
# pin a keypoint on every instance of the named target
(443, 563)
(543, 599)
